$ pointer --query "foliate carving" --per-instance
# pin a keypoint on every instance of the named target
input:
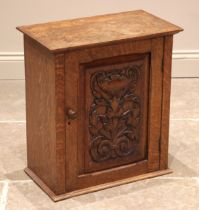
(114, 115)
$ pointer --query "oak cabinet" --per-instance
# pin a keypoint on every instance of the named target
(97, 101)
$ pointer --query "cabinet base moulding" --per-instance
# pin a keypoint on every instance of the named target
(56, 198)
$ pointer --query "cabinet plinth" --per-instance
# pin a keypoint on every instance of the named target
(97, 101)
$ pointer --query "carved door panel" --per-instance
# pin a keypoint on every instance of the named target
(116, 112)
(116, 93)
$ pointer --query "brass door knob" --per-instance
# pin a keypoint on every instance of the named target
(72, 115)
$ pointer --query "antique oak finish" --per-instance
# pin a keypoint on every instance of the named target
(97, 93)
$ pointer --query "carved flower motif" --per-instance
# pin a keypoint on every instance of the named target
(114, 114)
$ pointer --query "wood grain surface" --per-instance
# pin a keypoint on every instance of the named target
(166, 90)
(99, 30)
(67, 195)
(45, 108)
(80, 170)
(154, 120)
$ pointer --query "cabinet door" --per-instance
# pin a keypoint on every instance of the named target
(115, 93)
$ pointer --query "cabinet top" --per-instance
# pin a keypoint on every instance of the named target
(98, 30)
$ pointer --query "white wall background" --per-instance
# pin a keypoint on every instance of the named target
(22, 12)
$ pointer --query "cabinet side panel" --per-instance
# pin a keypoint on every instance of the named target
(40, 112)
(168, 44)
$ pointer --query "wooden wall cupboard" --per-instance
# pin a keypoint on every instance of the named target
(97, 98)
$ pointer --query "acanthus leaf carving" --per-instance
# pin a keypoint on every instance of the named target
(114, 115)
